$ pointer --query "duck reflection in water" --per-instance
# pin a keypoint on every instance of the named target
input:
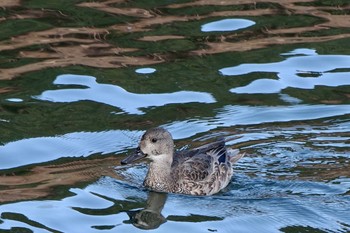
(151, 216)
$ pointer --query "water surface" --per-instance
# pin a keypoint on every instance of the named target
(80, 82)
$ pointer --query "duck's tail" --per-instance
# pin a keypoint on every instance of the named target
(234, 155)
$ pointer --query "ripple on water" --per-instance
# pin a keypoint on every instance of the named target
(116, 96)
(271, 190)
(226, 25)
(43, 149)
(236, 115)
(304, 69)
(78, 144)
(295, 176)
(260, 208)
(145, 70)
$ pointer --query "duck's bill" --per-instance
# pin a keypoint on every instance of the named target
(133, 157)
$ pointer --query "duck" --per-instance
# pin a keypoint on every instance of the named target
(201, 171)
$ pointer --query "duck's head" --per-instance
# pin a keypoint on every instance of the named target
(156, 144)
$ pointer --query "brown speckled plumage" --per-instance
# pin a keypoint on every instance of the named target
(202, 171)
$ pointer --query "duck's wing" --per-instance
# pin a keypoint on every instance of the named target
(215, 149)
(220, 144)
(198, 164)
(218, 150)
(196, 168)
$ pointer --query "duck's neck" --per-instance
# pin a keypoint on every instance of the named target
(159, 175)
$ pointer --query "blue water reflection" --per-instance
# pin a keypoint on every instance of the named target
(78, 144)
(302, 68)
(227, 25)
(61, 143)
(115, 95)
(248, 203)
(234, 115)
(15, 100)
(145, 70)
(43, 149)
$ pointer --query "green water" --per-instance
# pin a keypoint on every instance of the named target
(75, 99)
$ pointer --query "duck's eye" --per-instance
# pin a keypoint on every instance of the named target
(154, 140)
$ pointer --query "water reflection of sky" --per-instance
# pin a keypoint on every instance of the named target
(231, 115)
(80, 212)
(42, 149)
(294, 177)
(147, 70)
(117, 96)
(227, 25)
(302, 68)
